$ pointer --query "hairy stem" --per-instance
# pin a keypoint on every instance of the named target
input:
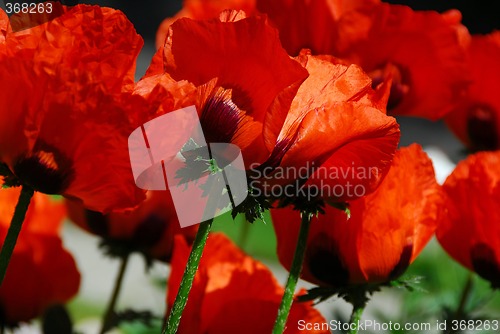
(459, 313)
(110, 311)
(293, 277)
(187, 279)
(357, 312)
(14, 229)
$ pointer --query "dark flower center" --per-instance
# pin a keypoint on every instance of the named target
(45, 169)
(220, 119)
(97, 222)
(486, 264)
(400, 83)
(404, 262)
(325, 263)
(149, 232)
(146, 235)
(481, 128)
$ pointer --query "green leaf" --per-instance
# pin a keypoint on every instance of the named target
(253, 207)
(119, 249)
(410, 283)
(356, 295)
(146, 318)
(314, 206)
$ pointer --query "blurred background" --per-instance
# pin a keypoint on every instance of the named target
(443, 279)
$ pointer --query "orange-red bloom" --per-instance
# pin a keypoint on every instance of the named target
(309, 24)
(330, 120)
(202, 10)
(476, 120)
(471, 231)
(63, 122)
(242, 70)
(302, 24)
(385, 233)
(232, 293)
(420, 50)
(150, 228)
(335, 127)
(41, 272)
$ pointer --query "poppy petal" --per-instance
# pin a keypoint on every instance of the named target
(393, 235)
(246, 56)
(39, 250)
(230, 291)
(353, 136)
(76, 86)
(476, 120)
(421, 44)
(302, 24)
(470, 233)
(326, 82)
(377, 242)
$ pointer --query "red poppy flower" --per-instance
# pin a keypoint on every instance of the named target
(309, 24)
(385, 233)
(387, 41)
(41, 272)
(242, 71)
(471, 233)
(284, 115)
(420, 50)
(202, 10)
(334, 127)
(476, 120)
(232, 293)
(63, 99)
(150, 228)
(302, 24)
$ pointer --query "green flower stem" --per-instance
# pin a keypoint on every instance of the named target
(357, 312)
(187, 279)
(244, 233)
(110, 311)
(293, 277)
(460, 312)
(14, 229)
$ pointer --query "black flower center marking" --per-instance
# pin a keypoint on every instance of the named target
(481, 128)
(403, 263)
(149, 232)
(325, 263)
(486, 264)
(45, 169)
(97, 222)
(400, 83)
(220, 119)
